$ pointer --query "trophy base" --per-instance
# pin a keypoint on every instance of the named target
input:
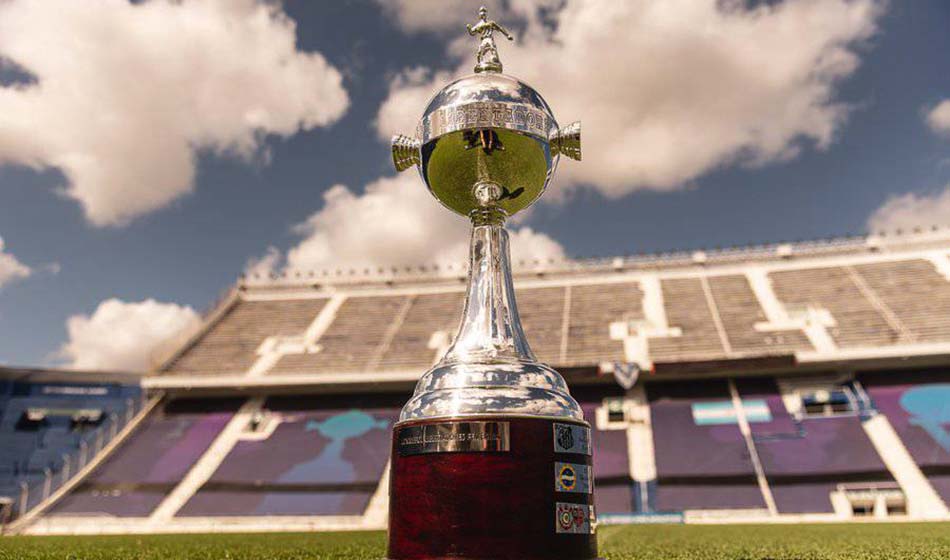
(491, 487)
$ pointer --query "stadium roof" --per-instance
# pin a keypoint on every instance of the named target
(853, 301)
(45, 375)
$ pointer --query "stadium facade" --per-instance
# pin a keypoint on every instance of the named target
(781, 383)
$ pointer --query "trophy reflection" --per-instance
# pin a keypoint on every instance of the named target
(491, 456)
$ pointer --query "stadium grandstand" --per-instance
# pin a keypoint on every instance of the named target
(52, 425)
(780, 383)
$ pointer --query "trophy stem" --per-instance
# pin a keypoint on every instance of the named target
(490, 331)
(490, 368)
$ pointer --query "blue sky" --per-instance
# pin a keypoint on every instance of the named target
(188, 250)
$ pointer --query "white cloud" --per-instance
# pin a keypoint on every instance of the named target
(414, 16)
(447, 16)
(124, 336)
(938, 118)
(910, 210)
(668, 91)
(126, 95)
(409, 92)
(528, 246)
(396, 222)
(265, 265)
(10, 268)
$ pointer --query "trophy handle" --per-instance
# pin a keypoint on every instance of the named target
(406, 152)
(567, 141)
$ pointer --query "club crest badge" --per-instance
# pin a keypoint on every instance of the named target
(565, 437)
(571, 438)
(567, 478)
(574, 518)
(572, 477)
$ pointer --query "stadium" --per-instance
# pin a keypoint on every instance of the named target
(789, 383)
(357, 393)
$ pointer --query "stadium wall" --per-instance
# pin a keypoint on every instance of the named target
(801, 382)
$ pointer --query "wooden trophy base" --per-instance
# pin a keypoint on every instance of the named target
(491, 487)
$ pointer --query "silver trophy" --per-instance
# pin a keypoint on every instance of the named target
(483, 448)
(486, 147)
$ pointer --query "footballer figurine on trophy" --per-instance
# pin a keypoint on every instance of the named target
(491, 456)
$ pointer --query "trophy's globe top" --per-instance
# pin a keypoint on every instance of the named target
(487, 141)
(489, 87)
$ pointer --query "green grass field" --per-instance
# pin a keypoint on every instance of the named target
(667, 542)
